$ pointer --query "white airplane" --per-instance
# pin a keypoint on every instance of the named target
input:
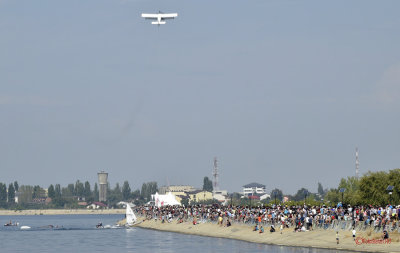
(160, 17)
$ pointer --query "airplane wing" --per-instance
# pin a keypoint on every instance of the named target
(168, 15)
(149, 16)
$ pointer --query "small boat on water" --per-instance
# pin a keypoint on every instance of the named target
(10, 224)
(100, 225)
(25, 227)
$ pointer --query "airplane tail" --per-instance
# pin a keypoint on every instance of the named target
(158, 23)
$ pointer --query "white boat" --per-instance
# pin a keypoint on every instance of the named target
(130, 216)
(25, 227)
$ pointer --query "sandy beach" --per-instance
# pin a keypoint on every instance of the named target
(62, 211)
(315, 239)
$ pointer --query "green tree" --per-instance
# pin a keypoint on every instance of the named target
(96, 192)
(207, 184)
(58, 201)
(373, 185)
(38, 192)
(57, 191)
(79, 189)
(87, 193)
(16, 186)
(332, 196)
(51, 192)
(11, 194)
(301, 194)
(135, 194)
(185, 201)
(126, 191)
(351, 195)
(279, 195)
(114, 195)
(25, 194)
(321, 191)
(148, 189)
(69, 191)
(143, 192)
(153, 188)
(3, 194)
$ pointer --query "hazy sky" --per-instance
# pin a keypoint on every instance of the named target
(280, 91)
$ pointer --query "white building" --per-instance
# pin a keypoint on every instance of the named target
(253, 189)
(221, 195)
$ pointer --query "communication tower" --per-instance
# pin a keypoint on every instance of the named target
(357, 164)
(103, 176)
(215, 175)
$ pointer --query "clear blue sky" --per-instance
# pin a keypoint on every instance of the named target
(280, 91)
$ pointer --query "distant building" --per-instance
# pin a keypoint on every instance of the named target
(96, 205)
(265, 196)
(253, 189)
(82, 203)
(176, 189)
(199, 195)
(103, 176)
(221, 196)
(41, 200)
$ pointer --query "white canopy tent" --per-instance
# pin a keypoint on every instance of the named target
(164, 200)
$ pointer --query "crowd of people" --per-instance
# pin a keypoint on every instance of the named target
(298, 218)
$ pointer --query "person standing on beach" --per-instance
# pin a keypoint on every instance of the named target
(220, 220)
(337, 237)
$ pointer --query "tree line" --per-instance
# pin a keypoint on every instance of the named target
(71, 195)
(370, 189)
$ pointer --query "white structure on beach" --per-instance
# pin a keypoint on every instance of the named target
(164, 200)
(253, 189)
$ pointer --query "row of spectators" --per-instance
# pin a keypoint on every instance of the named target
(299, 217)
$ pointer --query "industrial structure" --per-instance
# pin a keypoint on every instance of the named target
(215, 175)
(103, 176)
(357, 164)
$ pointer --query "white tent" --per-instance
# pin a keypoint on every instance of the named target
(164, 200)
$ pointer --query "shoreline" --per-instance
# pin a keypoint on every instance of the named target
(322, 239)
(60, 211)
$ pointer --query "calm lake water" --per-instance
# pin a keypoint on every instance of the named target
(77, 233)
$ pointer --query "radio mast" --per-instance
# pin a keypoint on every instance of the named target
(357, 164)
(215, 175)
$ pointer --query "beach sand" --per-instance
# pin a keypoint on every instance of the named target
(62, 211)
(315, 239)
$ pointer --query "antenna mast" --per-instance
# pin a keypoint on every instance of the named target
(215, 175)
(357, 164)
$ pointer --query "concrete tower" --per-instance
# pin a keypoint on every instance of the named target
(103, 176)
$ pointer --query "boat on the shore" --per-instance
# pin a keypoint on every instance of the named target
(130, 216)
